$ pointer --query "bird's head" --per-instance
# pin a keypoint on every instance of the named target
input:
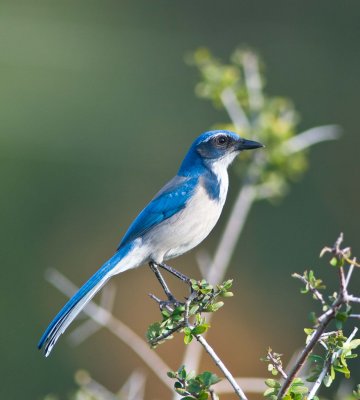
(218, 148)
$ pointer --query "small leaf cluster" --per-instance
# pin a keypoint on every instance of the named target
(172, 321)
(340, 256)
(337, 353)
(204, 298)
(271, 120)
(297, 390)
(192, 386)
(200, 327)
(273, 361)
(314, 286)
(207, 295)
(312, 282)
(333, 348)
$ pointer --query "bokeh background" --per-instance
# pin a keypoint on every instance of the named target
(98, 109)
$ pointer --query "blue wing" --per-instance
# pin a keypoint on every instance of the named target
(171, 199)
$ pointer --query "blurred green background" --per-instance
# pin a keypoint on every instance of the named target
(97, 110)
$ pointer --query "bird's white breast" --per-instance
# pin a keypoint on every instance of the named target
(186, 229)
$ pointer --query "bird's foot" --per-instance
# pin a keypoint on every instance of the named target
(169, 304)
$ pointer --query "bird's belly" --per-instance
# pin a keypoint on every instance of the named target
(186, 229)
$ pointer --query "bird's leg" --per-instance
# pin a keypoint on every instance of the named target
(162, 282)
(176, 273)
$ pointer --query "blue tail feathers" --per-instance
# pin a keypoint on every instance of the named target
(74, 306)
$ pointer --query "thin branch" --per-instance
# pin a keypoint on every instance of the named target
(235, 111)
(343, 291)
(351, 269)
(222, 367)
(250, 385)
(92, 387)
(313, 290)
(203, 260)
(253, 81)
(342, 298)
(320, 378)
(212, 394)
(232, 231)
(83, 332)
(312, 136)
(305, 352)
(118, 328)
(90, 327)
(167, 334)
(276, 364)
(134, 387)
(353, 299)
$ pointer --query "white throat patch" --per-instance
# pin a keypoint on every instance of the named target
(219, 168)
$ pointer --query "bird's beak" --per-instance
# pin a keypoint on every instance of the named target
(245, 144)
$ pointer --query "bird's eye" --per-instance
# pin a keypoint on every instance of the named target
(221, 140)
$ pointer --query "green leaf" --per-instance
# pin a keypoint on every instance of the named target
(349, 356)
(334, 261)
(332, 372)
(272, 383)
(187, 330)
(308, 331)
(297, 381)
(194, 309)
(190, 375)
(182, 372)
(327, 380)
(199, 329)
(344, 370)
(353, 344)
(312, 317)
(165, 313)
(299, 389)
(316, 359)
(208, 378)
(203, 396)
(153, 331)
(171, 374)
(269, 392)
(342, 316)
(188, 339)
(181, 391)
(194, 386)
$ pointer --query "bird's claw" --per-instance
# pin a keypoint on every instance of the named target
(169, 304)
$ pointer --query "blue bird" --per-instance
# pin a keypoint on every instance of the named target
(178, 218)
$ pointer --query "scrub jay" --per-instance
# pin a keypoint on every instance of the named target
(177, 219)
